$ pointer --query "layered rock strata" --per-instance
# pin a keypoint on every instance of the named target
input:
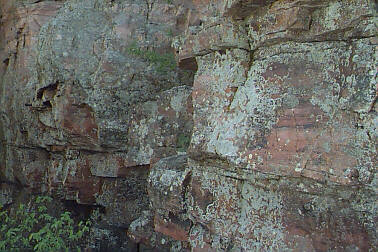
(262, 137)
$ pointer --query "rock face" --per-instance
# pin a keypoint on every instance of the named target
(271, 146)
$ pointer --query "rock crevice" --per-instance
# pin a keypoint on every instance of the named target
(262, 136)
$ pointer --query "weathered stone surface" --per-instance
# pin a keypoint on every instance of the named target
(216, 36)
(272, 146)
(79, 88)
(239, 9)
(256, 213)
(308, 21)
(69, 176)
(298, 104)
(90, 98)
(141, 229)
(21, 160)
(172, 227)
(167, 184)
(7, 192)
(123, 199)
(167, 189)
(282, 114)
(159, 232)
(245, 114)
(161, 127)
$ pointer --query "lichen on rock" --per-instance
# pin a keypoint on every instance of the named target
(260, 134)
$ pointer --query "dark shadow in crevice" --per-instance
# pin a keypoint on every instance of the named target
(81, 211)
(47, 104)
(188, 64)
(50, 87)
(6, 61)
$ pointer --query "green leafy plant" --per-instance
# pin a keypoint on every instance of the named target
(183, 142)
(169, 33)
(163, 62)
(33, 228)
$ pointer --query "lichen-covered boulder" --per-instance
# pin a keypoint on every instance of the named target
(284, 132)
(270, 146)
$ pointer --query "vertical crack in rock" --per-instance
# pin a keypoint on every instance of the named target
(262, 137)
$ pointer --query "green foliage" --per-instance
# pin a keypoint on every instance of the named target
(163, 62)
(169, 33)
(183, 142)
(32, 228)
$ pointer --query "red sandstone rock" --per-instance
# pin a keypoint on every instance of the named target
(281, 119)
(174, 228)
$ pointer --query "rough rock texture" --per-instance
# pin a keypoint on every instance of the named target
(90, 97)
(272, 145)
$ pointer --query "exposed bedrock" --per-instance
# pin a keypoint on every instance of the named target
(213, 125)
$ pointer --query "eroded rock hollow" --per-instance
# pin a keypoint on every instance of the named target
(197, 125)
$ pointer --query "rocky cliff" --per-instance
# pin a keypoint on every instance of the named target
(196, 125)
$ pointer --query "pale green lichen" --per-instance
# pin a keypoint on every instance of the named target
(163, 62)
